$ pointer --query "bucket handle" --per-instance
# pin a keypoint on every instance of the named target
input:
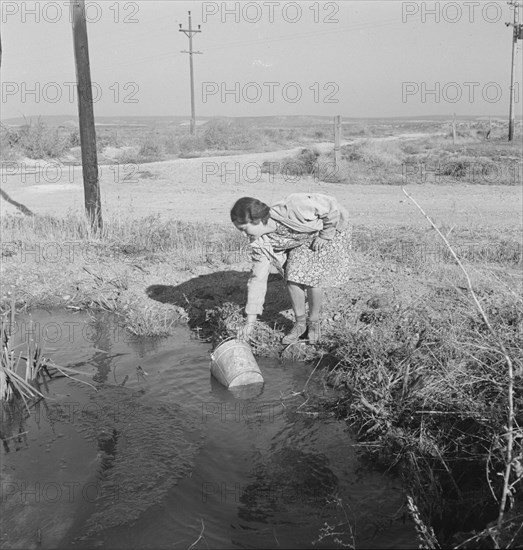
(228, 339)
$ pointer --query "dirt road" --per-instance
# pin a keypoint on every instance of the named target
(202, 189)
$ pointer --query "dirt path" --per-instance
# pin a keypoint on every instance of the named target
(202, 189)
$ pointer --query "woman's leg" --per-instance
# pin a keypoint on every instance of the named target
(315, 296)
(297, 295)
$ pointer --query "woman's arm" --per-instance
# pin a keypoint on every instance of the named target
(257, 284)
(328, 211)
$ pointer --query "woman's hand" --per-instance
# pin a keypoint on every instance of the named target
(318, 243)
(247, 331)
(248, 327)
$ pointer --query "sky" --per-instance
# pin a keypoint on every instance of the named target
(353, 58)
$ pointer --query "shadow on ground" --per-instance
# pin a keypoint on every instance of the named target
(215, 289)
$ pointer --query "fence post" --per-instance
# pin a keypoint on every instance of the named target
(337, 140)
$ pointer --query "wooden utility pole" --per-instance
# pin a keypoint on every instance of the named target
(337, 140)
(86, 115)
(516, 34)
(189, 32)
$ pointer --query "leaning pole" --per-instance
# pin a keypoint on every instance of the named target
(86, 115)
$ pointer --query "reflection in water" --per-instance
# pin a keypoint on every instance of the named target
(143, 451)
(101, 333)
(13, 431)
(285, 481)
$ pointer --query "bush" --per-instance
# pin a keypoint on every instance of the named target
(223, 135)
(377, 154)
(39, 141)
(305, 163)
(170, 143)
(73, 139)
(150, 149)
(189, 144)
(9, 143)
(106, 139)
(217, 135)
(309, 162)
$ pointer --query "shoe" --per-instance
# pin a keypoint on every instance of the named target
(313, 331)
(298, 330)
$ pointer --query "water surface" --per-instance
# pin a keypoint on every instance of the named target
(163, 456)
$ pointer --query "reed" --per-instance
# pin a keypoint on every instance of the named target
(23, 367)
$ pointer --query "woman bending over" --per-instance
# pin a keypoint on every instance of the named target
(307, 238)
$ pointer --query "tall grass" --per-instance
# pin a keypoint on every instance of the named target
(66, 262)
(150, 234)
(18, 374)
(35, 140)
(23, 367)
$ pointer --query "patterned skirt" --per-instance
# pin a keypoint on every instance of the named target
(328, 267)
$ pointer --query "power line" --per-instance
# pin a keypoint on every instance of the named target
(517, 34)
(189, 32)
(295, 36)
(255, 42)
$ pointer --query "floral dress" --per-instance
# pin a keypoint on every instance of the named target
(327, 267)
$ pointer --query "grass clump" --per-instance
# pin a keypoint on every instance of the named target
(426, 392)
(437, 160)
(35, 140)
(23, 368)
(366, 162)
(191, 146)
(304, 163)
(19, 374)
(434, 384)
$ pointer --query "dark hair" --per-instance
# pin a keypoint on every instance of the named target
(249, 210)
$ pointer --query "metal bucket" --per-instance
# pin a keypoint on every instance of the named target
(233, 364)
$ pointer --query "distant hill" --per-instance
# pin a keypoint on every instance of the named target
(287, 121)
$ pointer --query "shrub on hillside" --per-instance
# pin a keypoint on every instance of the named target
(9, 143)
(222, 135)
(374, 153)
(188, 144)
(150, 149)
(39, 141)
(34, 140)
